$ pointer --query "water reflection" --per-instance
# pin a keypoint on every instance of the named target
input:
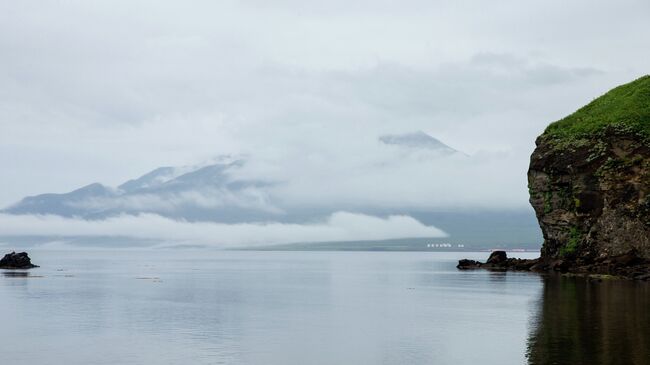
(17, 274)
(588, 322)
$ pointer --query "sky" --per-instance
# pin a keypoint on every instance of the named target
(106, 91)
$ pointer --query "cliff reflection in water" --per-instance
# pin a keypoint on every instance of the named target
(583, 322)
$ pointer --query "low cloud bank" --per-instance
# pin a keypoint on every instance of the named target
(340, 226)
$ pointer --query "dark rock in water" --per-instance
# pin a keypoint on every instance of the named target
(468, 264)
(628, 265)
(498, 261)
(497, 257)
(16, 261)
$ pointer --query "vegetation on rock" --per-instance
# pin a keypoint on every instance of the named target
(589, 184)
(589, 178)
(624, 108)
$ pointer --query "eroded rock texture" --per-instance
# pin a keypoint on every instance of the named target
(589, 178)
(592, 198)
(589, 183)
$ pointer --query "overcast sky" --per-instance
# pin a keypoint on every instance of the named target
(106, 91)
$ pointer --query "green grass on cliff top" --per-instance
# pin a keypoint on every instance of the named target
(626, 107)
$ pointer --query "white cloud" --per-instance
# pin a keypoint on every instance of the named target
(105, 91)
(207, 198)
(340, 226)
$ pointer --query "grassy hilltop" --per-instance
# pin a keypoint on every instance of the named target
(625, 108)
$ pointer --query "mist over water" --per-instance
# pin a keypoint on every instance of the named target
(207, 307)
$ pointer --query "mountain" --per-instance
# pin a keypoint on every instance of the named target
(67, 205)
(216, 192)
(193, 193)
(207, 192)
(152, 179)
(417, 140)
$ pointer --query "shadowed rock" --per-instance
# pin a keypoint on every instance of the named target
(499, 261)
(628, 265)
(16, 261)
(497, 257)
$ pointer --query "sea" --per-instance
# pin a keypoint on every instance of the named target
(295, 307)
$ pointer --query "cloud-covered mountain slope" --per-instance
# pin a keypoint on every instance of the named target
(398, 174)
(192, 193)
(221, 192)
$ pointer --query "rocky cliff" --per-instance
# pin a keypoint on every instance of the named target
(589, 179)
(589, 182)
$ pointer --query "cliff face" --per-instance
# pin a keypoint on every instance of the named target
(589, 178)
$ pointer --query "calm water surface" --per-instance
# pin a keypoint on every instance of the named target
(201, 307)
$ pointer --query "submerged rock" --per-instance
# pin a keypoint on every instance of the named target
(16, 261)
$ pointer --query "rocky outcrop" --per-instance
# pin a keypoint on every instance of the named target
(589, 179)
(589, 184)
(628, 265)
(16, 261)
(592, 199)
(499, 261)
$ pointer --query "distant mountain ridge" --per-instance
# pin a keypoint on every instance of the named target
(418, 140)
(151, 179)
(215, 192)
(198, 193)
(203, 192)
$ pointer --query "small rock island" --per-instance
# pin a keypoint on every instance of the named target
(589, 183)
(16, 261)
